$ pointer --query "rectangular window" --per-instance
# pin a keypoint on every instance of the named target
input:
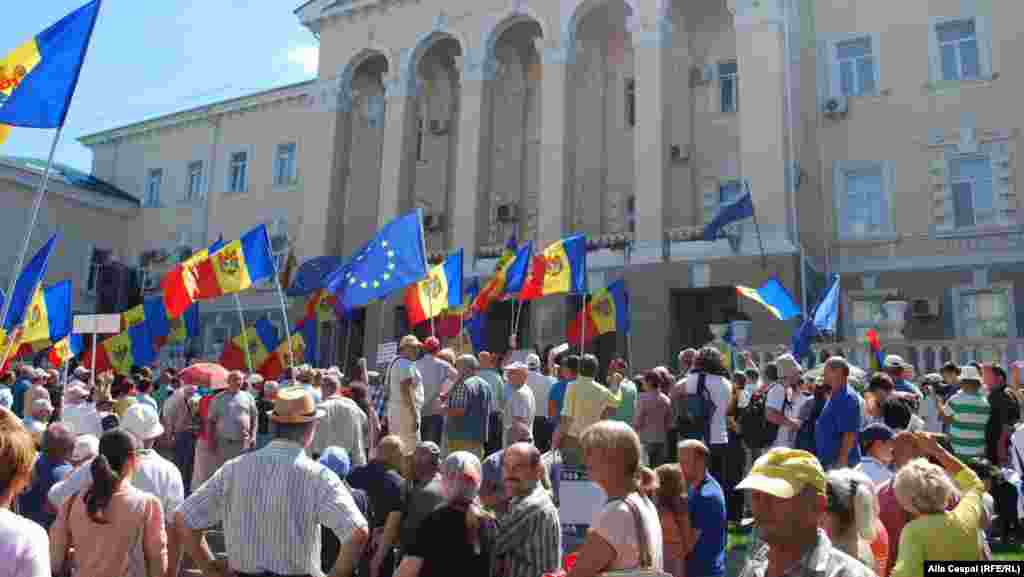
(153, 180)
(958, 49)
(284, 164)
(985, 314)
(727, 72)
(420, 135)
(864, 206)
(239, 180)
(971, 184)
(866, 314)
(855, 66)
(630, 102)
(195, 181)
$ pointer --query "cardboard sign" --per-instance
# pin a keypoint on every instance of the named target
(386, 353)
(579, 498)
(102, 324)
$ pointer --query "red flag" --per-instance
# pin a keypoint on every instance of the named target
(876, 349)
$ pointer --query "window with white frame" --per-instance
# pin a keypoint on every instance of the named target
(154, 178)
(238, 180)
(727, 73)
(194, 189)
(862, 199)
(970, 180)
(985, 313)
(279, 242)
(284, 164)
(855, 66)
(958, 49)
(866, 313)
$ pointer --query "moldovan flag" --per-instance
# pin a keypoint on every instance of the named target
(121, 352)
(133, 316)
(608, 311)
(509, 275)
(261, 339)
(66, 349)
(49, 316)
(441, 290)
(180, 287)
(561, 268)
(236, 266)
(27, 285)
(275, 365)
(38, 78)
(321, 306)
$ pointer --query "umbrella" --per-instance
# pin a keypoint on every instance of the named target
(210, 375)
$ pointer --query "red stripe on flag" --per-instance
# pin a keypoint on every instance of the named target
(176, 295)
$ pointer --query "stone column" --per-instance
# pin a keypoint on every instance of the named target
(650, 153)
(549, 315)
(761, 58)
(468, 168)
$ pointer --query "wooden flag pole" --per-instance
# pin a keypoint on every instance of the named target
(245, 337)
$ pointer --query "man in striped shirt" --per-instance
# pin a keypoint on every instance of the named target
(530, 540)
(967, 413)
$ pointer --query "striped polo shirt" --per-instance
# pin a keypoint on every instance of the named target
(970, 413)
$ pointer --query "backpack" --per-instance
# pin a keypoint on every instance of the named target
(805, 435)
(758, 432)
(693, 412)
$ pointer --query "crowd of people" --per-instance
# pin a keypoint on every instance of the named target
(450, 464)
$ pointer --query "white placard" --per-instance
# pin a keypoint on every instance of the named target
(102, 324)
(386, 353)
(579, 498)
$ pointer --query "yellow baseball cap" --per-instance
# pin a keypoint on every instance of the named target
(784, 473)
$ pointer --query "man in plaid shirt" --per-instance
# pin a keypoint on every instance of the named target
(469, 401)
(379, 396)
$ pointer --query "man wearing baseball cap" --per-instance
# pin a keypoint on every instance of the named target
(434, 371)
(967, 413)
(895, 367)
(788, 498)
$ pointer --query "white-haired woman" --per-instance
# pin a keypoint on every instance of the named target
(458, 537)
(924, 490)
(852, 516)
(626, 534)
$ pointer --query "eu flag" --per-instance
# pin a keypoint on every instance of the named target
(392, 260)
(312, 275)
(741, 208)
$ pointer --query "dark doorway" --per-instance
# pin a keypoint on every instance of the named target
(349, 339)
(694, 309)
(499, 325)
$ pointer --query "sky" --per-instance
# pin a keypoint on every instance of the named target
(153, 57)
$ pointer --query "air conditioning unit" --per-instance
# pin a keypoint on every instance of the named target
(438, 126)
(835, 106)
(508, 212)
(433, 222)
(924, 308)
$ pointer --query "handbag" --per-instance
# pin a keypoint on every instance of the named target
(646, 568)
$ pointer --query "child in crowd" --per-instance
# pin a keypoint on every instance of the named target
(673, 512)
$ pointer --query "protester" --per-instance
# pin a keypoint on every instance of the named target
(895, 367)
(115, 528)
(621, 386)
(568, 371)
(124, 394)
(24, 546)
(931, 404)
(144, 388)
(1004, 412)
(424, 491)
(540, 385)
(652, 420)
(181, 422)
(520, 406)
(458, 538)
(233, 420)
(850, 515)
(37, 390)
(41, 411)
(50, 468)
(344, 424)
(79, 413)
(967, 413)
(492, 487)
(626, 533)
(490, 374)
(406, 393)
(21, 386)
(840, 421)
(876, 450)
(382, 481)
(950, 380)
(272, 502)
(674, 514)
(337, 460)
(924, 490)
(86, 449)
(789, 496)
(206, 459)
(707, 509)
(880, 388)
(468, 409)
(586, 402)
(434, 370)
(529, 540)
(783, 399)
(152, 474)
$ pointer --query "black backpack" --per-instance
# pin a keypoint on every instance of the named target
(758, 432)
(693, 412)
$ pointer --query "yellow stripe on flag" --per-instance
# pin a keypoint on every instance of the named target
(230, 268)
(602, 311)
(36, 326)
(755, 296)
(558, 277)
(434, 292)
(5, 131)
(17, 64)
(119, 351)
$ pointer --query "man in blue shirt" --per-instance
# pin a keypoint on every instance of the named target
(51, 467)
(21, 386)
(467, 409)
(567, 373)
(837, 428)
(707, 512)
(895, 366)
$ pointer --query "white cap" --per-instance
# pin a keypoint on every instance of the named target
(40, 404)
(142, 421)
(86, 447)
(970, 373)
(532, 361)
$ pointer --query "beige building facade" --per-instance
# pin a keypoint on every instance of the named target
(878, 140)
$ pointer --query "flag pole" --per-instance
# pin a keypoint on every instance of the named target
(757, 229)
(284, 306)
(92, 371)
(430, 305)
(583, 324)
(245, 337)
(348, 343)
(40, 195)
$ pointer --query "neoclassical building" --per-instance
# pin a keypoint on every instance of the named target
(878, 140)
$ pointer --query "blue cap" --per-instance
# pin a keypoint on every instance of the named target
(875, 432)
(337, 460)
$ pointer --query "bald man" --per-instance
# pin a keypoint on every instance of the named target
(530, 540)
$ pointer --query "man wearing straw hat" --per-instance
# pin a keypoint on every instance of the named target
(405, 402)
(272, 503)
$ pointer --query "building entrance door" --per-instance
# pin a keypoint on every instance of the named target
(694, 309)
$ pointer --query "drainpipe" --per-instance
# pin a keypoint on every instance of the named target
(791, 145)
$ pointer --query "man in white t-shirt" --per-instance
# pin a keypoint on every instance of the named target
(434, 371)
(405, 403)
(782, 403)
(719, 391)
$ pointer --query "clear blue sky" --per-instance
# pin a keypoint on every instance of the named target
(152, 57)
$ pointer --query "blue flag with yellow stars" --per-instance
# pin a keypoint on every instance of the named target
(392, 260)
